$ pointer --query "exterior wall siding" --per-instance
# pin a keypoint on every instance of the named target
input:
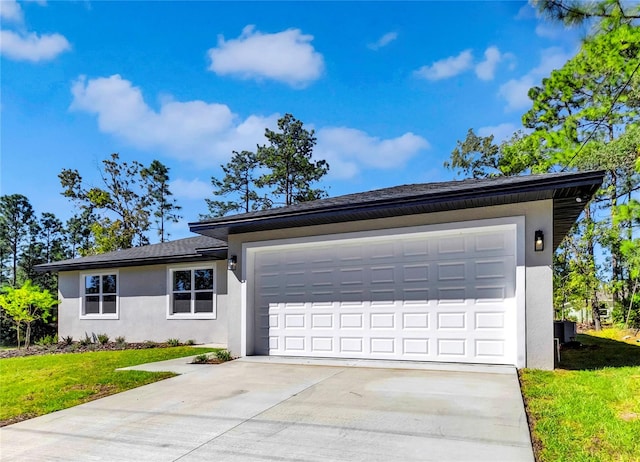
(142, 295)
(538, 270)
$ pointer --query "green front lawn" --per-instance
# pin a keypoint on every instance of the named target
(589, 408)
(36, 385)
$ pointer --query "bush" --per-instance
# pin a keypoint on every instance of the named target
(203, 358)
(174, 342)
(120, 341)
(190, 342)
(223, 355)
(86, 341)
(68, 340)
(47, 340)
(103, 339)
(150, 344)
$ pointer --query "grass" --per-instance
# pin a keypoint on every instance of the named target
(589, 408)
(37, 385)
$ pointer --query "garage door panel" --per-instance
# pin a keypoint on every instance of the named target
(428, 298)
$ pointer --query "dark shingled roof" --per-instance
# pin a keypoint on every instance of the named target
(569, 191)
(196, 248)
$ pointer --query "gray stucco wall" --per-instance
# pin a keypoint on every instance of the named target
(143, 309)
(538, 270)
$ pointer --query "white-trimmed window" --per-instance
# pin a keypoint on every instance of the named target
(192, 292)
(99, 296)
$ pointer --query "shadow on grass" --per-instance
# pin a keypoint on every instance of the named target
(596, 353)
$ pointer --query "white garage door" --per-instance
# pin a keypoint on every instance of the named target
(426, 297)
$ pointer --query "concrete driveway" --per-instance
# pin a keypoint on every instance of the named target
(250, 411)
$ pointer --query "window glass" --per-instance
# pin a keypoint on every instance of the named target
(182, 281)
(92, 304)
(109, 284)
(92, 284)
(182, 303)
(109, 304)
(203, 279)
(204, 302)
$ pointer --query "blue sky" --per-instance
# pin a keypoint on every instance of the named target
(388, 86)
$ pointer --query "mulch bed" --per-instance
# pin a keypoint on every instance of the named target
(77, 347)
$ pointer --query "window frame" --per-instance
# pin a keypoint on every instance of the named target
(83, 294)
(192, 268)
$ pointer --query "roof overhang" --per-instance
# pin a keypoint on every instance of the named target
(200, 255)
(570, 192)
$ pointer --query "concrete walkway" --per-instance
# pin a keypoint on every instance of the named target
(265, 411)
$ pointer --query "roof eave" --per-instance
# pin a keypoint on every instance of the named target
(202, 255)
(522, 191)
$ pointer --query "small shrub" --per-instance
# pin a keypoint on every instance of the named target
(174, 342)
(190, 342)
(103, 339)
(68, 340)
(120, 341)
(86, 341)
(203, 358)
(150, 344)
(47, 340)
(223, 355)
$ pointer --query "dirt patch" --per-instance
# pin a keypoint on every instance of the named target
(629, 416)
(18, 418)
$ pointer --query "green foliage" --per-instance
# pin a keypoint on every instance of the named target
(574, 12)
(165, 209)
(25, 305)
(200, 359)
(174, 342)
(223, 355)
(103, 339)
(47, 340)
(290, 164)
(588, 412)
(287, 167)
(479, 157)
(123, 206)
(584, 116)
(238, 184)
(68, 340)
(86, 341)
(190, 342)
(16, 214)
(79, 234)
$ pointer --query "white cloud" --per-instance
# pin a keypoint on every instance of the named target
(515, 91)
(525, 12)
(286, 56)
(349, 150)
(500, 132)
(448, 67)
(31, 47)
(11, 11)
(383, 41)
(193, 189)
(204, 133)
(485, 70)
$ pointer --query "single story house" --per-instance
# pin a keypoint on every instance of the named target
(459, 271)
